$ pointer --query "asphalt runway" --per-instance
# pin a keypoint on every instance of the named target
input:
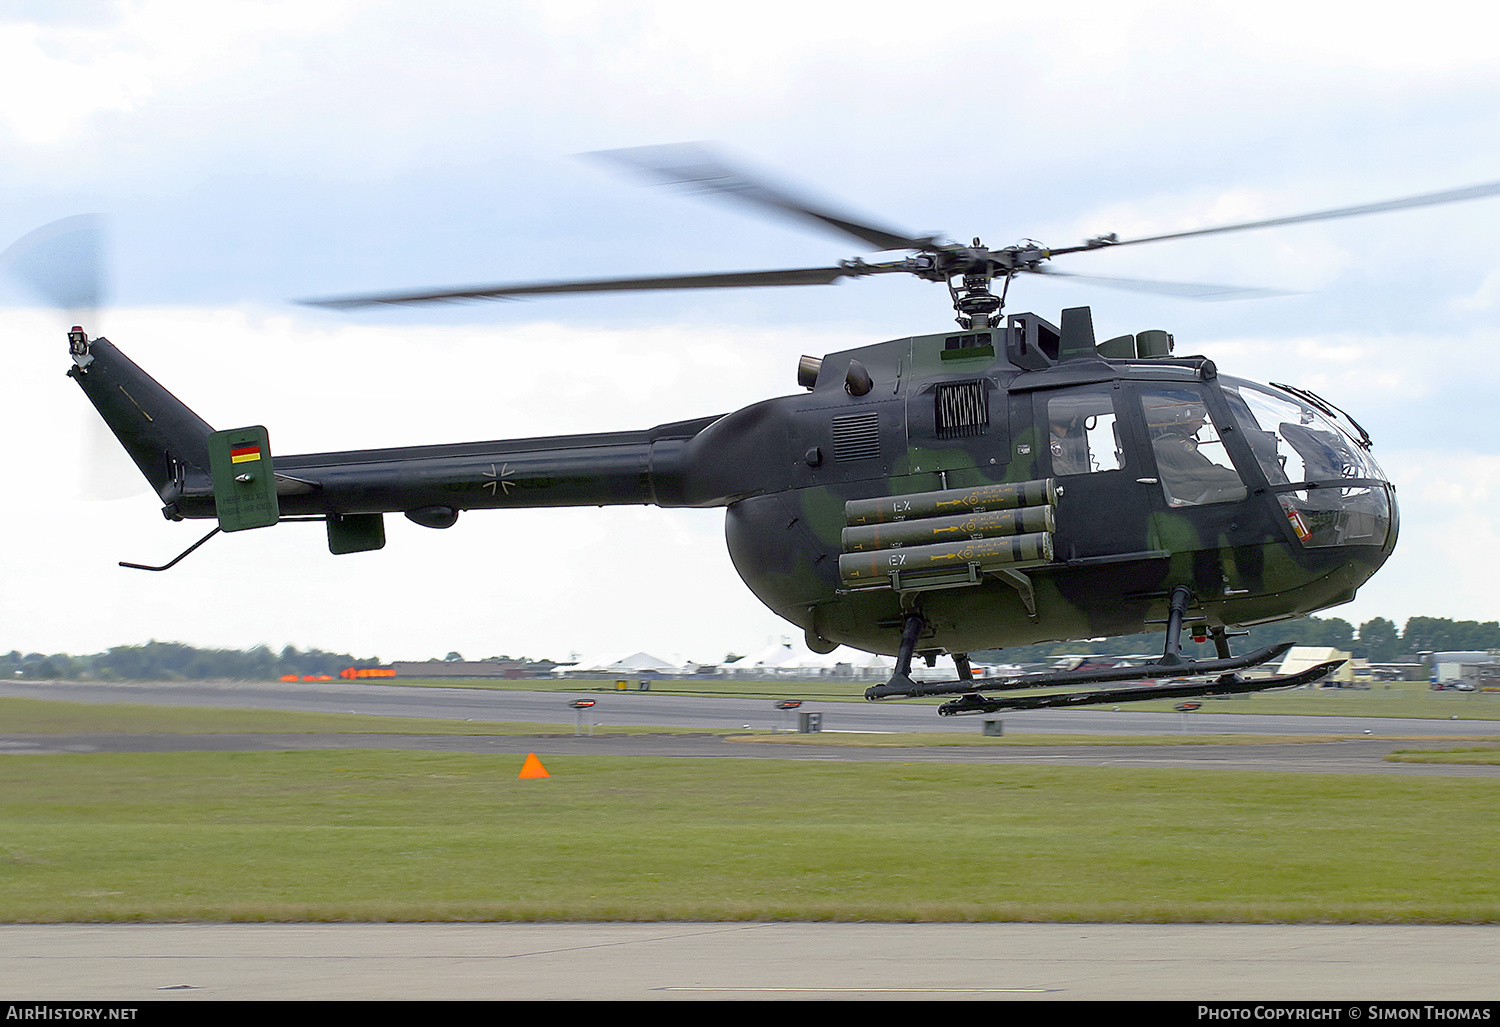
(720, 713)
(1338, 964)
(1367, 740)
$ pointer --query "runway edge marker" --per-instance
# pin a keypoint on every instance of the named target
(532, 767)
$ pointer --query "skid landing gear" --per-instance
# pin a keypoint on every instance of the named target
(1172, 664)
(901, 683)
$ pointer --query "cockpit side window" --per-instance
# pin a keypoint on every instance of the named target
(1083, 433)
(1191, 459)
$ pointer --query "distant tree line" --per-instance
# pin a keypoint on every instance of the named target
(173, 661)
(1376, 640)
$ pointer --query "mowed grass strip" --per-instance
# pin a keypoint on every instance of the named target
(1399, 700)
(54, 716)
(1485, 755)
(934, 739)
(369, 835)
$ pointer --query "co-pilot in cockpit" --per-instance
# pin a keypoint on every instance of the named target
(1195, 468)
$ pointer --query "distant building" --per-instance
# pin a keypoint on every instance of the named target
(471, 669)
(1485, 677)
(1303, 657)
(1411, 669)
(1449, 667)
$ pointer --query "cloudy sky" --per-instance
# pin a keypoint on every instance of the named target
(250, 153)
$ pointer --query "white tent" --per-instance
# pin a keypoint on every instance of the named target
(618, 665)
(787, 659)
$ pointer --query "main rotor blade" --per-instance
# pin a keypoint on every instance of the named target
(726, 280)
(1182, 290)
(1473, 192)
(700, 169)
(61, 262)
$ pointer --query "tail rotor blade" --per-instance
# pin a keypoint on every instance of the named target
(105, 472)
(61, 262)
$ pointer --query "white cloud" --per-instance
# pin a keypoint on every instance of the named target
(534, 582)
(56, 76)
(1484, 298)
(388, 144)
(1448, 558)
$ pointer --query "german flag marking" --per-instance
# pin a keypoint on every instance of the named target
(244, 454)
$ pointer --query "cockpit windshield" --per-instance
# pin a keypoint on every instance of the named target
(1295, 442)
(1327, 482)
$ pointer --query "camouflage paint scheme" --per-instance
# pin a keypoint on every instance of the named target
(784, 469)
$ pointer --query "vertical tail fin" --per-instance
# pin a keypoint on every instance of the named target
(165, 439)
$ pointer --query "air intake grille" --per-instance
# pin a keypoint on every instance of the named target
(961, 409)
(856, 436)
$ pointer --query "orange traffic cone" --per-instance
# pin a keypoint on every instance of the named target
(533, 767)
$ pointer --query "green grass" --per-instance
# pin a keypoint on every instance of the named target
(1488, 755)
(875, 740)
(1407, 699)
(841, 691)
(374, 835)
(52, 716)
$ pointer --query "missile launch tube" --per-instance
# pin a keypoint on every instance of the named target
(934, 530)
(867, 568)
(951, 502)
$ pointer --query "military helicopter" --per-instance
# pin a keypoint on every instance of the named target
(1010, 482)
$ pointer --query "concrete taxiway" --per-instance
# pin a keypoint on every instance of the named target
(1179, 962)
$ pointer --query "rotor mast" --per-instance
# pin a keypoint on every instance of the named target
(969, 272)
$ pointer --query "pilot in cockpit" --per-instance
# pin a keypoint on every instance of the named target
(1070, 447)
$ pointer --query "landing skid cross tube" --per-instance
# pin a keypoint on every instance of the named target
(1223, 686)
(904, 688)
(1171, 664)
